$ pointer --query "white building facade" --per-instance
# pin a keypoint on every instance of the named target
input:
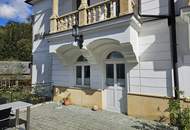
(125, 60)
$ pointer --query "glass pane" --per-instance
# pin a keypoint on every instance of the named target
(110, 74)
(115, 55)
(120, 74)
(79, 75)
(86, 75)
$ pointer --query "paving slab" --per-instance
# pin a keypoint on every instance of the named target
(49, 117)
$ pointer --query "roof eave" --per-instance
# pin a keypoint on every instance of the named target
(31, 2)
(28, 2)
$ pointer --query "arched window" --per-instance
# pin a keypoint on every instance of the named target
(115, 55)
(81, 59)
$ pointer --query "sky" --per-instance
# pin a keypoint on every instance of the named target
(14, 10)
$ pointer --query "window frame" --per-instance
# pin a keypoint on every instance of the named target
(82, 64)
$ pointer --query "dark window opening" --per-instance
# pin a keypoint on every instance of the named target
(79, 75)
(86, 75)
(81, 59)
(115, 55)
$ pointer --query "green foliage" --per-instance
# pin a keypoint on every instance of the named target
(20, 95)
(16, 42)
(179, 116)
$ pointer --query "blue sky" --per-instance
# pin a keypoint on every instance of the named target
(14, 10)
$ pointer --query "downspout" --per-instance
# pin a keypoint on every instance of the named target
(172, 27)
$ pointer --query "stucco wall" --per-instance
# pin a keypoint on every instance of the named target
(65, 75)
(62, 75)
(153, 74)
(41, 69)
(154, 7)
(150, 107)
(183, 56)
(79, 96)
(160, 7)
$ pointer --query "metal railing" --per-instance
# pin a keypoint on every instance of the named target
(42, 89)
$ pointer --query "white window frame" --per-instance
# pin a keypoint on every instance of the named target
(82, 64)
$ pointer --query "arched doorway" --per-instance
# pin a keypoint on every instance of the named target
(116, 92)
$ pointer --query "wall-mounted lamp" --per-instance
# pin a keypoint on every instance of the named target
(78, 37)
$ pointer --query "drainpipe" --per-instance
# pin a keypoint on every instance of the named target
(172, 27)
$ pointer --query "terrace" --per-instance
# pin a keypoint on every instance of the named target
(49, 117)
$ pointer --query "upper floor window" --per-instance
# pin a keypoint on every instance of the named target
(115, 55)
(82, 72)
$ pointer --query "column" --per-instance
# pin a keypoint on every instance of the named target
(83, 12)
(53, 22)
(84, 4)
(126, 6)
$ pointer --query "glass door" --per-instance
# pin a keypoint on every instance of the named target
(115, 87)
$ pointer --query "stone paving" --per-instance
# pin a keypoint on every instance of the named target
(49, 117)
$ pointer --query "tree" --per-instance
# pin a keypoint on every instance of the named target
(16, 41)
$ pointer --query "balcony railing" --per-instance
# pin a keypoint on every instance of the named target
(102, 11)
(66, 21)
(87, 15)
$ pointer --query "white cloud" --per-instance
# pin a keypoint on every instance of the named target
(14, 9)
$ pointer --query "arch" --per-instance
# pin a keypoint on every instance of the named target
(102, 42)
(68, 54)
(100, 48)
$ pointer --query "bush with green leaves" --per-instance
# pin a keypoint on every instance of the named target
(179, 115)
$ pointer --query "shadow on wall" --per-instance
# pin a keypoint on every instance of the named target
(161, 63)
(60, 90)
(41, 55)
(157, 50)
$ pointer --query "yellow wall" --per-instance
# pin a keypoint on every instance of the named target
(79, 96)
(153, 108)
(150, 107)
(141, 106)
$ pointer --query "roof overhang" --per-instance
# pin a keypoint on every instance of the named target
(31, 2)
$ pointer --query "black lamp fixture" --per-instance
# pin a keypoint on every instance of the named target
(78, 37)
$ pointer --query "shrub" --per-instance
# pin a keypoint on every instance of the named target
(179, 116)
